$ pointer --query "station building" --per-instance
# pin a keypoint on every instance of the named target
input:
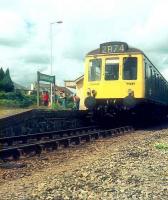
(21, 88)
(77, 84)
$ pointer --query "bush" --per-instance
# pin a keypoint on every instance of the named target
(2, 95)
(56, 106)
(9, 103)
(16, 99)
(33, 98)
(11, 95)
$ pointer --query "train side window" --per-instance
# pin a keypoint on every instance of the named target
(146, 71)
(159, 82)
(155, 79)
(163, 89)
(95, 70)
(112, 69)
(158, 77)
(151, 73)
(162, 86)
(130, 68)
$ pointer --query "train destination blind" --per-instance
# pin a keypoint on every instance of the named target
(113, 47)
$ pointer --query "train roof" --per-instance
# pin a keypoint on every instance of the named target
(115, 48)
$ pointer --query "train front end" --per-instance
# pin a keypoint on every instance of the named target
(114, 77)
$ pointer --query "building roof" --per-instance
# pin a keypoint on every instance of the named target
(72, 83)
(79, 79)
(65, 89)
(19, 87)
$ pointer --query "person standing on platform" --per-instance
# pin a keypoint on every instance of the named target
(42, 98)
(62, 97)
(46, 98)
(76, 102)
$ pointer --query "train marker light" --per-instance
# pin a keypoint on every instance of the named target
(94, 93)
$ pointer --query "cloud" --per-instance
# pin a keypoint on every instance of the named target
(14, 32)
(25, 33)
(12, 42)
(37, 59)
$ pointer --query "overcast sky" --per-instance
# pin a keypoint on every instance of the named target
(25, 33)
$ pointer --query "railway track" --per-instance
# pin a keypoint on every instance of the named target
(17, 146)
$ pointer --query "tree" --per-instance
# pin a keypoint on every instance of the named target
(6, 83)
(2, 75)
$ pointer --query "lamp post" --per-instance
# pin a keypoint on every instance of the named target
(51, 54)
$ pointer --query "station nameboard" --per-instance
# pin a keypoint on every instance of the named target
(113, 47)
(46, 78)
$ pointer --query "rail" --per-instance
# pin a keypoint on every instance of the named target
(73, 136)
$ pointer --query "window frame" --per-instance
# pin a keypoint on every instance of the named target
(89, 71)
(112, 58)
(123, 77)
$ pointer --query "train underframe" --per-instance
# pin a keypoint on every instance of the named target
(128, 110)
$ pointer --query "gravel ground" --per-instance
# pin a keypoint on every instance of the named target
(124, 167)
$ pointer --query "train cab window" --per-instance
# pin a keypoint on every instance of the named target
(130, 68)
(95, 70)
(112, 69)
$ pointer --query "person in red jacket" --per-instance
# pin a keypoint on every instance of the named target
(46, 98)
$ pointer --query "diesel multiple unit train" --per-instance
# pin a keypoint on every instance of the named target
(120, 78)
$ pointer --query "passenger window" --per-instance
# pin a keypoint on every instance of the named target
(146, 71)
(112, 69)
(155, 78)
(95, 70)
(130, 68)
(151, 75)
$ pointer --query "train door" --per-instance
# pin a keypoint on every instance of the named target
(111, 82)
(147, 79)
(93, 76)
(133, 76)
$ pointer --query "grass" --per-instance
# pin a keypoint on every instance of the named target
(161, 146)
(4, 112)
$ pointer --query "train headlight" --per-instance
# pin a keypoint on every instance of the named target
(88, 92)
(129, 101)
(130, 92)
(94, 93)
